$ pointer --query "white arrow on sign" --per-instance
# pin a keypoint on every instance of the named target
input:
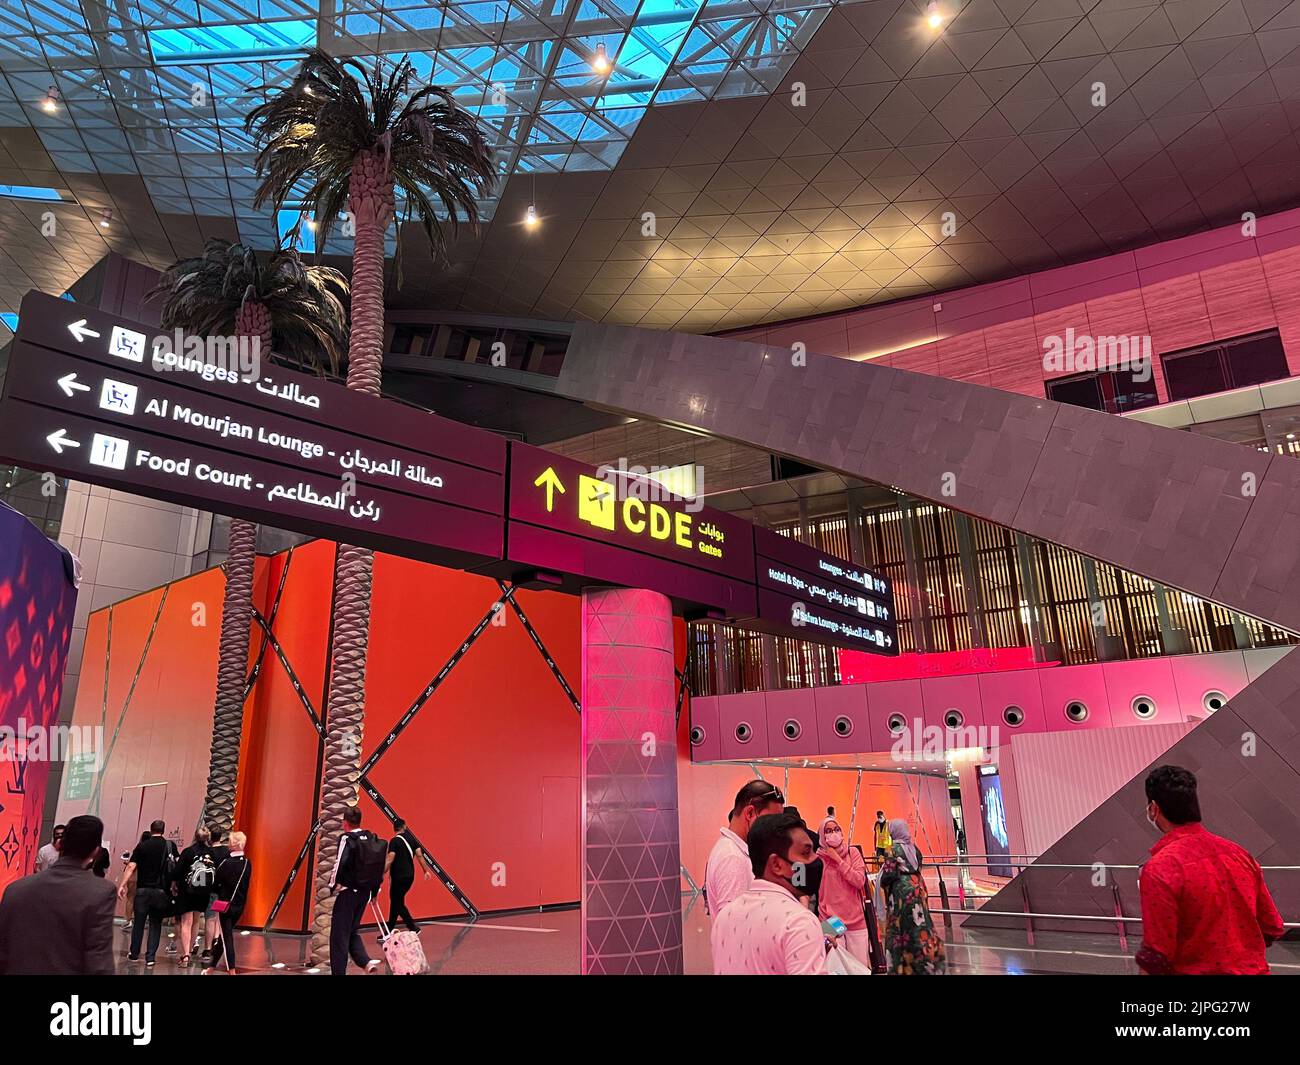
(70, 384)
(60, 440)
(78, 329)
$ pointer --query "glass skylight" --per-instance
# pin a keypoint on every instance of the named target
(213, 43)
(162, 88)
(30, 192)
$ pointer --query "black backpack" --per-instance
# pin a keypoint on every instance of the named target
(370, 853)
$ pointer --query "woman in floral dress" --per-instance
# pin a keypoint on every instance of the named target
(911, 944)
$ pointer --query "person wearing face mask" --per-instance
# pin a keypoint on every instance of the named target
(727, 873)
(844, 878)
(911, 943)
(880, 832)
(768, 931)
(1205, 906)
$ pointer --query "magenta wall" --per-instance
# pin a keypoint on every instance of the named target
(1181, 293)
(1177, 686)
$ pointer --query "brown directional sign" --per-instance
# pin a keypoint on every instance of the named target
(94, 397)
(627, 530)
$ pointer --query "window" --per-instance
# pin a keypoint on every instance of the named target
(410, 339)
(1114, 391)
(1225, 365)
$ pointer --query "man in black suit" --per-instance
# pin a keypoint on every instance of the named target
(60, 922)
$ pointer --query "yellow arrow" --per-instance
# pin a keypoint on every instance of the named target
(551, 480)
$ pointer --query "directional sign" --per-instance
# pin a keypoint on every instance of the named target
(94, 397)
(159, 402)
(617, 529)
(111, 402)
(814, 596)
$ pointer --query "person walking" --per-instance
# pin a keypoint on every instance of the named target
(150, 869)
(911, 943)
(1205, 906)
(844, 879)
(218, 852)
(358, 876)
(49, 854)
(60, 922)
(403, 855)
(195, 877)
(129, 898)
(231, 885)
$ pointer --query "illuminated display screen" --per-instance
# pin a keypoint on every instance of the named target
(997, 839)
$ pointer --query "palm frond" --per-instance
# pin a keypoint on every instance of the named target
(309, 324)
(310, 134)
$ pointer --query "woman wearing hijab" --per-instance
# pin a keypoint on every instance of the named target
(911, 944)
(844, 878)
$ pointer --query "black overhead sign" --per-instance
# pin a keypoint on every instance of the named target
(89, 396)
(814, 596)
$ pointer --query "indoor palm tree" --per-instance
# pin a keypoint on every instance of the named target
(295, 312)
(344, 136)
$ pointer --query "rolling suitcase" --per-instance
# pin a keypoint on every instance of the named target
(402, 950)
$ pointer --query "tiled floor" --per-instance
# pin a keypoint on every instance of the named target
(538, 944)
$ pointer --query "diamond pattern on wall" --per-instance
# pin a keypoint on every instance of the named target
(631, 912)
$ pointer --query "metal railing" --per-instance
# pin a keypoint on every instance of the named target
(1118, 919)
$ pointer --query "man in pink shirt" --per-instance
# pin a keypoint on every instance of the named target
(727, 873)
(768, 931)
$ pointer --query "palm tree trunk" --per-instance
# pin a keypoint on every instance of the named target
(371, 203)
(236, 615)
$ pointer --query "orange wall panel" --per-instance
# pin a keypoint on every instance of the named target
(276, 800)
(156, 709)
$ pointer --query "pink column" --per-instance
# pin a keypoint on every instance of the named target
(631, 882)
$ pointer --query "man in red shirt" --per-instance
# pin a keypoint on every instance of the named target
(1205, 906)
